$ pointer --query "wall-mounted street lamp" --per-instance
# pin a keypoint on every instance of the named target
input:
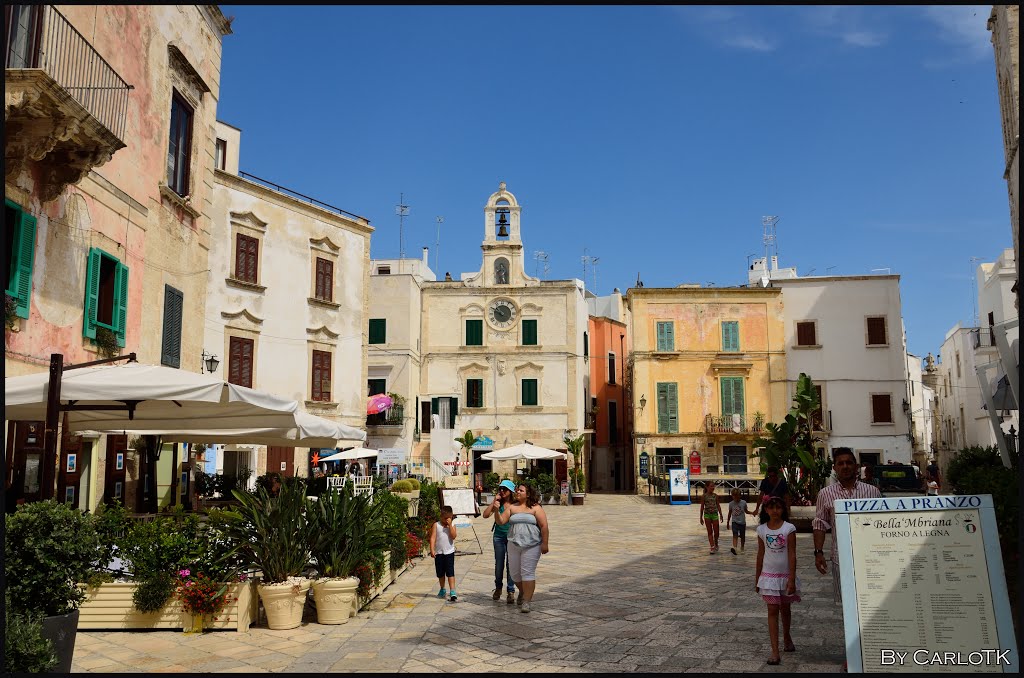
(643, 402)
(209, 361)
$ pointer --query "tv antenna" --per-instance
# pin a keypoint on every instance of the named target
(402, 210)
(768, 237)
(538, 257)
(974, 289)
(593, 263)
(437, 244)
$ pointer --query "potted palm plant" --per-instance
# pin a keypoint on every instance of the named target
(49, 548)
(576, 475)
(347, 529)
(273, 535)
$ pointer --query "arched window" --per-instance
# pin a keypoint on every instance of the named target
(501, 272)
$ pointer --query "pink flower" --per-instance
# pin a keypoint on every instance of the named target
(184, 573)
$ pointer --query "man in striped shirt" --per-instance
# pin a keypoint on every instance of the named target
(844, 462)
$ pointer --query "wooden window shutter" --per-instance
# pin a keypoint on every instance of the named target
(378, 330)
(321, 387)
(529, 391)
(246, 258)
(586, 344)
(474, 333)
(121, 303)
(474, 393)
(666, 336)
(324, 279)
(435, 407)
(806, 334)
(170, 351)
(453, 404)
(664, 421)
(92, 293)
(240, 357)
(529, 333)
(673, 407)
(730, 335)
(876, 331)
(23, 258)
(881, 408)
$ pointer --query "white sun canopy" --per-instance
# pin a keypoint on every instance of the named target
(167, 401)
(523, 451)
(308, 431)
(354, 453)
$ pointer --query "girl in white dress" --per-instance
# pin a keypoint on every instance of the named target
(776, 578)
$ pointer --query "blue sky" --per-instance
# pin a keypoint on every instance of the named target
(656, 137)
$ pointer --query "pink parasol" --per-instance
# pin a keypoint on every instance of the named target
(378, 403)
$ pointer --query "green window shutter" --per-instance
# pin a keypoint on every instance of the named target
(666, 336)
(586, 344)
(453, 404)
(170, 352)
(92, 293)
(730, 335)
(529, 333)
(378, 330)
(668, 407)
(732, 396)
(121, 303)
(474, 333)
(434, 407)
(529, 391)
(20, 282)
(673, 408)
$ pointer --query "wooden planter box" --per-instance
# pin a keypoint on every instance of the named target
(109, 606)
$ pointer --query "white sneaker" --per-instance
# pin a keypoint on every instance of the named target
(525, 606)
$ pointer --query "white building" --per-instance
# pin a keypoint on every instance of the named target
(394, 358)
(972, 365)
(286, 305)
(502, 351)
(846, 333)
(922, 410)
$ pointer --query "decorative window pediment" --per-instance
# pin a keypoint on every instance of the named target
(324, 244)
(527, 369)
(472, 309)
(242, 320)
(473, 368)
(248, 220)
(322, 333)
(530, 307)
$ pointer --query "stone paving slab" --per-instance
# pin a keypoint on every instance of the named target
(629, 586)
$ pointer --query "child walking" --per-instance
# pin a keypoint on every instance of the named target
(738, 520)
(711, 514)
(776, 578)
(442, 550)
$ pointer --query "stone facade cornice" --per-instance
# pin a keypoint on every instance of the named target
(258, 190)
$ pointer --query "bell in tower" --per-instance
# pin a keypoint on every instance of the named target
(502, 222)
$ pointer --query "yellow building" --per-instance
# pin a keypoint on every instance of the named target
(708, 371)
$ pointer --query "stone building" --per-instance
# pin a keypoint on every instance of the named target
(287, 301)
(846, 333)
(502, 352)
(709, 370)
(1004, 23)
(108, 187)
(394, 359)
(610, 415)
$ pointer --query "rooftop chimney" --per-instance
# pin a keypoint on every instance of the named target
(426, 253)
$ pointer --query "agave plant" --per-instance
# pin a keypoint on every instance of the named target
(347, 528)
(272, 534)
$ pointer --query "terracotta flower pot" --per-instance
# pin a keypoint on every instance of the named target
(284, 603)
(335, 599)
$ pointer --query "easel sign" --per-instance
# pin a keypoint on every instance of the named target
(923, 585)
(679, 485)
(463, 503)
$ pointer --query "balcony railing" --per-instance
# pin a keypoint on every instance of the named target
(733, 423)
(395, 416)
(49, 42)
(983, 337)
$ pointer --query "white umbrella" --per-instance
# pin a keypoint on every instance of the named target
(349, 455)
(165, 400)
(308, 431)
(523, 451)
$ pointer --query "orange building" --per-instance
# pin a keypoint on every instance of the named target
(609, 414)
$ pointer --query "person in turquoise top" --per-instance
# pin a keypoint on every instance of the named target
(506, 490)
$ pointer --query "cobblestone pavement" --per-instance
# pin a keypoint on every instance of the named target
(628, 586)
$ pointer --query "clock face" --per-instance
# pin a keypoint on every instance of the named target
(502, 313)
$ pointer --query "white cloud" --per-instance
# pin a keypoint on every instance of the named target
(963, 27)
(751, 42)
(863, 38)
(847, 24)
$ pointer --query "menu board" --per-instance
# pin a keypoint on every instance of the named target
(679, 486)
(920, 588)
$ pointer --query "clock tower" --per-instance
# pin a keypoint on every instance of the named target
(502, 247)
